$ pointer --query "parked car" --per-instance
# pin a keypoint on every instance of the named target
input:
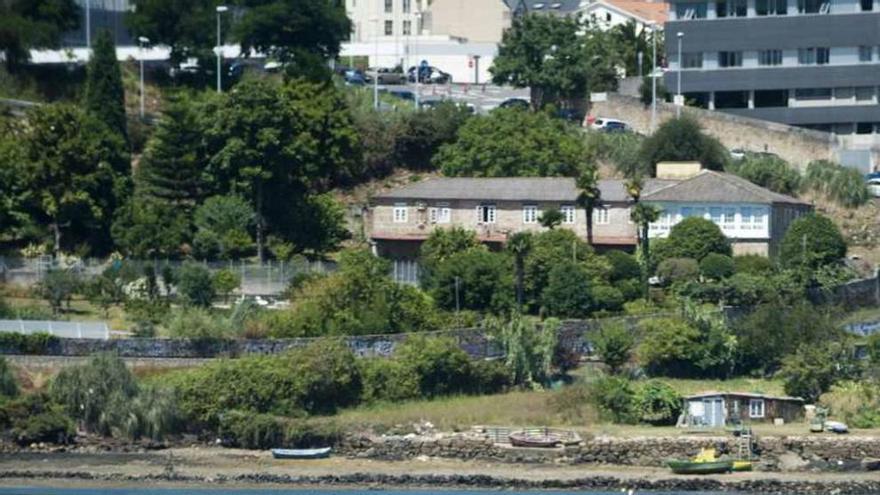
(874, 187)
(738, 153)
(355, 78)
(520, 103)
(272, 66)
(385, 75)
(609, 125)
(428, 75)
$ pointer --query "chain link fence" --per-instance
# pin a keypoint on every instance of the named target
(64, 329)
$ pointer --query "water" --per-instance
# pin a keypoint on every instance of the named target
(270, 491)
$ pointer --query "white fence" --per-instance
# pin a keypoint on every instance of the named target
(64, 329)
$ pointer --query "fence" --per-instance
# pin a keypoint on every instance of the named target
(269, 278)
(64, 329)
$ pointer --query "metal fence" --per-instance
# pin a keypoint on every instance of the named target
(65, 329)
(269, 278)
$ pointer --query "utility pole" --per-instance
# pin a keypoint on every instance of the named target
(653, 76)
(679, 97)
(89, 23)
(376, 62)
(220, 9)
(142, 40)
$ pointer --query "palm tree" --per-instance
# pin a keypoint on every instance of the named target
(590, 194)
(520, 244)
(642, 215)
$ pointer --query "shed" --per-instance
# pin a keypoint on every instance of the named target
(718, 409)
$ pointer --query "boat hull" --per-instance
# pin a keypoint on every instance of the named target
(690, 467)
(741, 466)
(301, 453)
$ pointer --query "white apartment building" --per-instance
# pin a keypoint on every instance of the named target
(387, 20)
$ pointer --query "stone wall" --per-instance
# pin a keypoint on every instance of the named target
(797, 146)
(773, 453)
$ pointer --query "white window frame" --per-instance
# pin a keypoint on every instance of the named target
(400, 213)
(569, 214)
(530, 214)
(441, 213)
(757, 408)
(716, 215)
(601, 216)
(747, 217)
(729, 220)
(487, 214)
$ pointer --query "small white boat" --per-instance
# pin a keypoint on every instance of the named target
(301, 453)
(836, 427)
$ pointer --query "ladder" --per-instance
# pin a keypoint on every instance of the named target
(744, 444)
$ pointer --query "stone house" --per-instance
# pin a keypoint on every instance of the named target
(753, 218)
(719, 409)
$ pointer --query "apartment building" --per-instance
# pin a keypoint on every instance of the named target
(607, 14)
(808, 63)
(387, 20)
(484, 21)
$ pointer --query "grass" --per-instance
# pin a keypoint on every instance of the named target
(80, 310)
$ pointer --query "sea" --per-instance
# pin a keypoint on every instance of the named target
(270, 491)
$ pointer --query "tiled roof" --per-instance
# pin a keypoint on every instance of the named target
(499, 189)
(614, 190)
(716, 187)
(645, 11)
(752, 395)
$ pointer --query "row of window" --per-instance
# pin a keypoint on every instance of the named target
(406, 6)
(772, 57)
(750, 218)
(442, 213)
(739, 8)
(389, 28)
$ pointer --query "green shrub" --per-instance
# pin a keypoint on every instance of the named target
(695, 238)
(607, 298)
(614, 345)
(439, 365)
(440, 245)
(89, 390)
(484, 281)
(388, 380)
(682, 139)
(770, 172)
(669, 347)
(717, 266)
(153, 413)
(843, 185)
(678, 270)
(811, 242)
(264, 431)
(8, 381)
(568, 294)
(528, 351)
(35, 418)
(615, 399)
(658, 403)
(624, 266)
(34, 343)
(196, 285)
(492, 376)
(813, 369)
(199, 323)
(855, 402)
(753, 264)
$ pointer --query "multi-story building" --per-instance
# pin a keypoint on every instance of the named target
(385, 20)
(607, 14)
(753, 218)
(809, 63)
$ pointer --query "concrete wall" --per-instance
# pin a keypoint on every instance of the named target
(481, 21)
(797, 146)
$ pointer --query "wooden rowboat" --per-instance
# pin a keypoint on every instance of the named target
(543, 438)
(692, 467)
(301, 453)
(740, 466)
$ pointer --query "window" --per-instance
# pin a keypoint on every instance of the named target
(729, 222)
(843, 93)
(389, 28)
(756, 408)
(866, 53)
(486, 214)
(730, 8)
(749, 218)
(864, 93)
(771, 7)
(813, 56)
(690, 10)
(812, 94)
(693, 60)
(441, 213)
(568, 214)
(407, 28)
(758, 218)
(530, 214)
(770, 57)
(407, 6)
(730, 59)
(715, 214)
(389, 6)
(687, 212)
(813, 6)
(400, 213)
(601, 216)
(867, 5)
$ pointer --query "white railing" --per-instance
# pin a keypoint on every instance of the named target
(64, 329)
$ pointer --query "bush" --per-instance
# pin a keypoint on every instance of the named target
(615, 399)
(624, 266)
(614, 345)
(682, 139)
(35, 418)
(678, 270)
(195, 284)
(484, 281)
(89, 390)
(607, 298)
(717, 266)
(695, 238)
(153, 413)
(813, 369)
(528, 351)
(439, 365)
(387, 380)
(574, 404)
(264, 431)
(811, 242)
(753, 264)
(855, 402)
(33, 343)
(669, 347)
(658, 403)
(567, 294)
(843, 185)
(770, 172)
(199, 324)
(8, 381)
(226, 282)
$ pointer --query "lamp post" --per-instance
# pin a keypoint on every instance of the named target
(375, 21)
(220, 9)
(142, 40)
(418, 65)
(653, 76)
(680, 102)
(89, 23)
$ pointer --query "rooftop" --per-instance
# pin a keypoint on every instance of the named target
(640, 9)
(752, 395)
(716, 187)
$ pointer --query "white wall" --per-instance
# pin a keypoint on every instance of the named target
(672, 214)
(448, 56)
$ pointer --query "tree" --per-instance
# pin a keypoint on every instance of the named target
(548, 55)
(643, 216)
(440, 245)
(552, 248)
(196, 285)
(150, 228)
(8, 382)
(550, 219)
(225, 282)
(678, 270)
(27, 24)
(811, 242)
(13, 189)
(474, 279)
(519, 244)
(669, 347)
(222, 228)
(717, 266)
(104, 95)
(567, 294)
(768, 171)
(624, 266)
(86, 391)
(696, 238)
(423, 133)
(813, 369)
(513, 143)
(76, 174)
(614, 344)
(589, 196)
(528, 350)
(187, 27)
(681, 139)
(844, 185)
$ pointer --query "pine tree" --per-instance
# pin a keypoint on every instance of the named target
(171, 169)
(104, 94)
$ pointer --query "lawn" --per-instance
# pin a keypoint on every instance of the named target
(80, 310)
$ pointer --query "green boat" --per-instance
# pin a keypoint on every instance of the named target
(695, 467)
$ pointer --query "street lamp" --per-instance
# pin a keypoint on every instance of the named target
(418, 66)
(680, 102)
(142, 40)
(88, 23)
(653, 76)
(375, 21)
(220, 9)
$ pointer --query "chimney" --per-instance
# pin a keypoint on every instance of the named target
(678, 170)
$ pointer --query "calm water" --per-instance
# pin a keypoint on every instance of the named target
(269, 491)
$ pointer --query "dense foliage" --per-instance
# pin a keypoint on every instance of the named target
(845, 186)
(694, 238)
(768, 171)
(682, 139)
(812, 241)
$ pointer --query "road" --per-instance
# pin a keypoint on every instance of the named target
(483, 97)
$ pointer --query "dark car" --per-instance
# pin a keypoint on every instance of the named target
(518, 103)
(613, 127)
(355, 78)
(428, 75)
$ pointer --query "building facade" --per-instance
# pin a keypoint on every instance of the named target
(809, 63)
(385, 20)
(719, 409)
(607, 14)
